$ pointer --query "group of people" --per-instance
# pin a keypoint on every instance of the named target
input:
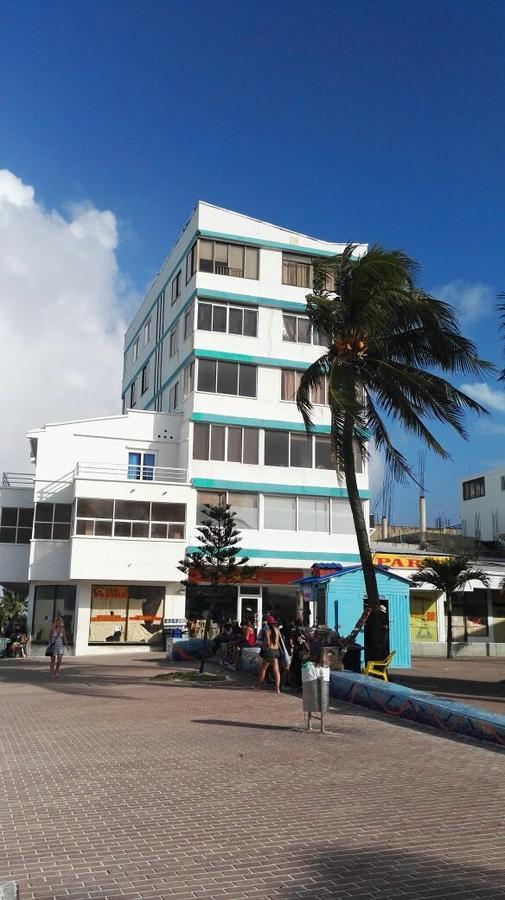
(18, 641)
(284, 647)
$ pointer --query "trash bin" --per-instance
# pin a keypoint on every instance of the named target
(315, 691)
(352, 659)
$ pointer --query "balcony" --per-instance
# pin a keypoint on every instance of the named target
(104, 472)
(18, 479)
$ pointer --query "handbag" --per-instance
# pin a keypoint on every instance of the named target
(284, 655)
(49, 651)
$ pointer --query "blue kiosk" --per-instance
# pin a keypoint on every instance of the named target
(337, 594)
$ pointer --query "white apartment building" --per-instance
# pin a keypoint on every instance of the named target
(482, 505)
(212, 362)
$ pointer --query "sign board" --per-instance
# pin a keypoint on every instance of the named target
(392, 561)
(109, 592)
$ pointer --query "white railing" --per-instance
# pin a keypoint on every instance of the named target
(17, 479)
(159, 474)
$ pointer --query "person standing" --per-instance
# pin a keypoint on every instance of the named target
(56, 643)
(270, 654)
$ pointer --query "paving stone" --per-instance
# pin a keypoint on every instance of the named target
(114, 787)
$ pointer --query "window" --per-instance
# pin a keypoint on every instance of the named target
(283, 448)
(313, 514)
(231, 443)
(135, 350)
(145, 379)
(358, 460)
(245, 505)
(147, 332)
(173, 340)
(297, 270)
(52, 600)
(300, 450)
(227, 377)
(341, 517)
(16, 525)
(133, 393)
(298, 329)
(474, 488)
(235, 260)
(246, 508)
(188, 379)
(227, 319)
(141, 466)
(130, 519)
(290, 382)
(176, 287)
(173, 397)
(189, 318)
(52, 521)
(277, 448)
(280, 512)
(126, 614)
(323, 458)
(191, 263)
(503, 482)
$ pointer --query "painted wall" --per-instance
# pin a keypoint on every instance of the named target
(345, 605)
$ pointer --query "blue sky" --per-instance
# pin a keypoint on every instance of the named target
(376, 121)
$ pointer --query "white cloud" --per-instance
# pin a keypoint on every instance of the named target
(472, 300)
(489, 397)
(61, 319)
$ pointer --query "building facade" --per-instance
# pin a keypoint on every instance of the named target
(482, 505)
(212, 362)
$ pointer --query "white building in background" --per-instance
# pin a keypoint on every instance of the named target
(212, 362)
(482, 505)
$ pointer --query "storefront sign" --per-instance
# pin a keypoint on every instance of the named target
(391, 561)
(262, 576)
(109, 592)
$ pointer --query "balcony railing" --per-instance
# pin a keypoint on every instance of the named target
(18, 479)
(160, 474)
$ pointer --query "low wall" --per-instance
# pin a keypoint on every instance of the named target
(418, 706)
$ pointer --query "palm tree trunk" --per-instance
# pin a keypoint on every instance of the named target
(448, 603)
(375, 623)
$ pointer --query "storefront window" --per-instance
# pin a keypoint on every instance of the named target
(200, 597)
(469, 615)
(126, 614)
(498, 617)
(281, 601)
(53, 601)
(423, 617)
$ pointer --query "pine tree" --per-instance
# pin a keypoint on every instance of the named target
(215, 561)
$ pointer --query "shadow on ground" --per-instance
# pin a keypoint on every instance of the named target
(464, 689)
(388, 873)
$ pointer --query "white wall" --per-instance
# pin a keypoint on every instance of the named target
(492, 502)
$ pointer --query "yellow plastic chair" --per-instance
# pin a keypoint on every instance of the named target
(379, 668)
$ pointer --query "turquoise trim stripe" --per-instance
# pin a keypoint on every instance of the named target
(288, 305)
(270, 361)
(260, 242)
(272, 424)
(264, 488)
(292, 554)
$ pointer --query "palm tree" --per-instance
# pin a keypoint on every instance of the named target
(449, 577)
(384, 338)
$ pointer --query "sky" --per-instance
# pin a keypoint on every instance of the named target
(376, 122)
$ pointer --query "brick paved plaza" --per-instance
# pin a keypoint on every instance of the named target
(115, 787)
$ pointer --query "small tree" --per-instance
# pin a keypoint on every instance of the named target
(449, 576)
(215, 561)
